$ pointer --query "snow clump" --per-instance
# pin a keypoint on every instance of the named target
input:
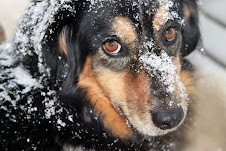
(162, 67)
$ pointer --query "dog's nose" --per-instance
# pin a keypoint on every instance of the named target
(167, 119)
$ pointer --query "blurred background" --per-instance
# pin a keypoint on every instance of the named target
(208, 132)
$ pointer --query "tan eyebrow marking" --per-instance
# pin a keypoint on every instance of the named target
(161, 17)
(125, 29)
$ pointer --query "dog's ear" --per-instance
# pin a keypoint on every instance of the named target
(62, 42)
(190, 32)
(60, 49)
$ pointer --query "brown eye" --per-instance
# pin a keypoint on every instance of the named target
(112, 46)
(170, 34)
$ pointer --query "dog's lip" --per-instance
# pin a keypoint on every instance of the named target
(124, 116)
(138, 132)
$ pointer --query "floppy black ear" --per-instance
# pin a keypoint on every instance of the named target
(60, 49)
(191, 32)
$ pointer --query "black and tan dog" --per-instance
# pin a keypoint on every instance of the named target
(103, 75)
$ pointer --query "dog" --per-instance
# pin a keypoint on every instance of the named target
(98, 75)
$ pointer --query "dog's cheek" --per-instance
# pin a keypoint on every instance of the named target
(130, 94)
(128, 91)
(188, 81)
(113, 85)
(100, 99)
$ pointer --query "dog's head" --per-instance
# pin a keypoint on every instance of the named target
(128, 56)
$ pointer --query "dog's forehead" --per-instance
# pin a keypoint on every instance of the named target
(144, 14)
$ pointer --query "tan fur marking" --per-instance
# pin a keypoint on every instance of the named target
(138, 92)
(113, 83)
(102, 102)
(125, 29)
(188, 80)
(127, 92)
(187, 12)
(186, 77)
(160, 18)
(62, 42)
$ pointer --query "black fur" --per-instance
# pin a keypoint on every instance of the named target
(24, 129)
(191, 33)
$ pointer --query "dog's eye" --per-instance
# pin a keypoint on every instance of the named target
(170, 34)
(112, 46)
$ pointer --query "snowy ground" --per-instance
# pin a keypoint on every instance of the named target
(209, 132)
